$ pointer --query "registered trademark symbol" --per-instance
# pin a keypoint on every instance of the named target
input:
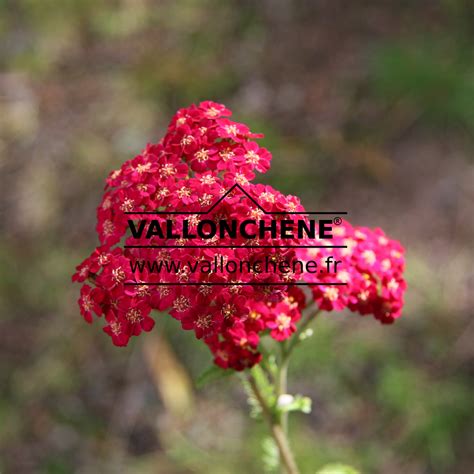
(337, 221)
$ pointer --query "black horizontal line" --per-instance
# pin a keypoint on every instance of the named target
(236, 284)
(235, 246)
(207, 212)
(307, 212)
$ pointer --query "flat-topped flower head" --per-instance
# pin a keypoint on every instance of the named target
(201, 156)
(372, 269)
(184, 181)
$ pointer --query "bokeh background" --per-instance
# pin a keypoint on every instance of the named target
(367, 106)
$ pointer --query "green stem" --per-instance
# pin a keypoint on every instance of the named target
(281, 440)
(278, 421)
(287, 348)
(282, 389)
(307, 319)
(282, 386)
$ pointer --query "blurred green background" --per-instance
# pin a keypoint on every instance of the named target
(367, 106)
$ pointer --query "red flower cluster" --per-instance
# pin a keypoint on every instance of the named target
(199, 159)
(202, 155)
(237, 346)
(372, 268)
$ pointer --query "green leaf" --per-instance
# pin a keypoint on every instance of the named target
(212, 374)
(255, 408)
(266, 388)
(271, 365)
(287, 403)
(337, 469)
(270, 456)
